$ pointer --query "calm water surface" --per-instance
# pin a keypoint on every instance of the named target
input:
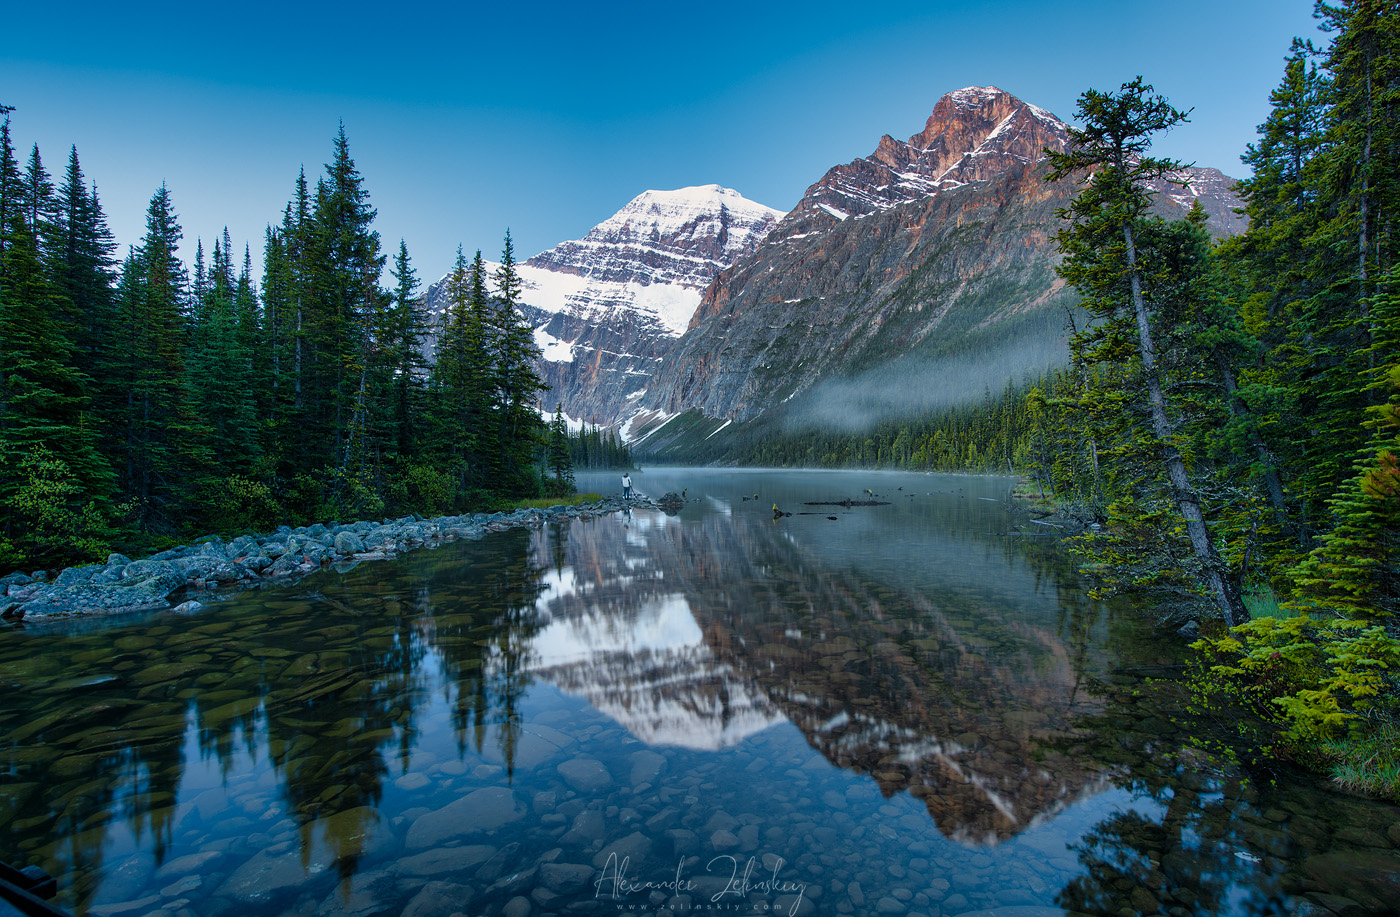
(900, 710)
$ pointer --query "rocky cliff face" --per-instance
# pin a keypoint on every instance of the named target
(607, 307)
(918, 275)
(972, 135)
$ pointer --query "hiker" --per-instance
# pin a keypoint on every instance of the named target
(626, 485)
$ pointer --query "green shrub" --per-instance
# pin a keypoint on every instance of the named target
(1327, 688)
(47, 521)
(238, 504)
(423, 489)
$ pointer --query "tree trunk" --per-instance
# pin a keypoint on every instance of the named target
(1212, 566)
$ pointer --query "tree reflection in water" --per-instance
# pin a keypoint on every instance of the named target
(1198, 838)
(330, 681)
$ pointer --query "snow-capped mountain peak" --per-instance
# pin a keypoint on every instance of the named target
(606, 306)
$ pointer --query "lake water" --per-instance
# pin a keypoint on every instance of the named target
(897, 709)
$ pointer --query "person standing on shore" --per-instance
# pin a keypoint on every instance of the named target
(626, 485)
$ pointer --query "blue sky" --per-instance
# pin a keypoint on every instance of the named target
(547, 117)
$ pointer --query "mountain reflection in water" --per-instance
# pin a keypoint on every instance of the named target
(942, 698)
(904, 705)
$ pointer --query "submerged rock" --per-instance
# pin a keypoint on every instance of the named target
(481, 812)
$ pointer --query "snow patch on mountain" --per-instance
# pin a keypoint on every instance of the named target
(652, 258)
(553, 349)
(651, 671)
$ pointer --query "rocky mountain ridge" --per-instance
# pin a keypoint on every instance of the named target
(922, 274)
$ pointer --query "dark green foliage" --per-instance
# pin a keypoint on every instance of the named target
(558, 455)
(1356, 568)
(599, 449)
(462, 379)
(1148, 287)
(222, 407)
(160, 443)
(518, 384)
(50, 466)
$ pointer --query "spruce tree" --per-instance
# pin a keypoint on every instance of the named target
(1355, 186)
(39, 206)
(409, 368)
(1356, 568)
(84, 270)
(1103, 261)
(518, 382)
(559, 457)
(161, 432)
(462, 379)
(219, 370)
(11, 213)
(55, 487)
(343, 263)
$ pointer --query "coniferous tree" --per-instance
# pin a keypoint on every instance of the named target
(409, 368)
(344, 264)
(11, 213)
(160, 429)
(55, 486)
(462, 378)
(1104, 260)
(1355, 195)
(559, 457)
(1356, 568)
(84, 270)
(219, 369)
(39, 205)
(518, 381)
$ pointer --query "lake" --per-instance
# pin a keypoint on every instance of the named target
(908, 708)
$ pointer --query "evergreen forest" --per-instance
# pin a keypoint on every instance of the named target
(148, 401)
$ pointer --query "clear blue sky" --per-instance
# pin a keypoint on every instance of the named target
(467, 118)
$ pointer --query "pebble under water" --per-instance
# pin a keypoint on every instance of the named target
(907, 709)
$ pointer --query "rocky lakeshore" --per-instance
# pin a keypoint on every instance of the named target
(178, 577)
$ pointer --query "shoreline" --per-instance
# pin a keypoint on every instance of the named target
(122, 585)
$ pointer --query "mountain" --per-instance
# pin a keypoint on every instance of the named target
(919, 275)
(606, 307)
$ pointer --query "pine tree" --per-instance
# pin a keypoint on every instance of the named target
(11, 213)
(219, 366)
(409, 365)
(161, 434)
(284, 354)
(1103, 261)
(55, 487)
(463, 378)
(1356, 194)
(559, 458)
(518, 382)
(1356, 568)
(39, 205)
(344, 263)
(84, 270)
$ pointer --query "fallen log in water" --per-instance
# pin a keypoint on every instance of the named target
(847, 503)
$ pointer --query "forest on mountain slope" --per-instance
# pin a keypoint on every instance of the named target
(1230, 416)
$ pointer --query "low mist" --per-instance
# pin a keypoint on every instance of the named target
(913, 386)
